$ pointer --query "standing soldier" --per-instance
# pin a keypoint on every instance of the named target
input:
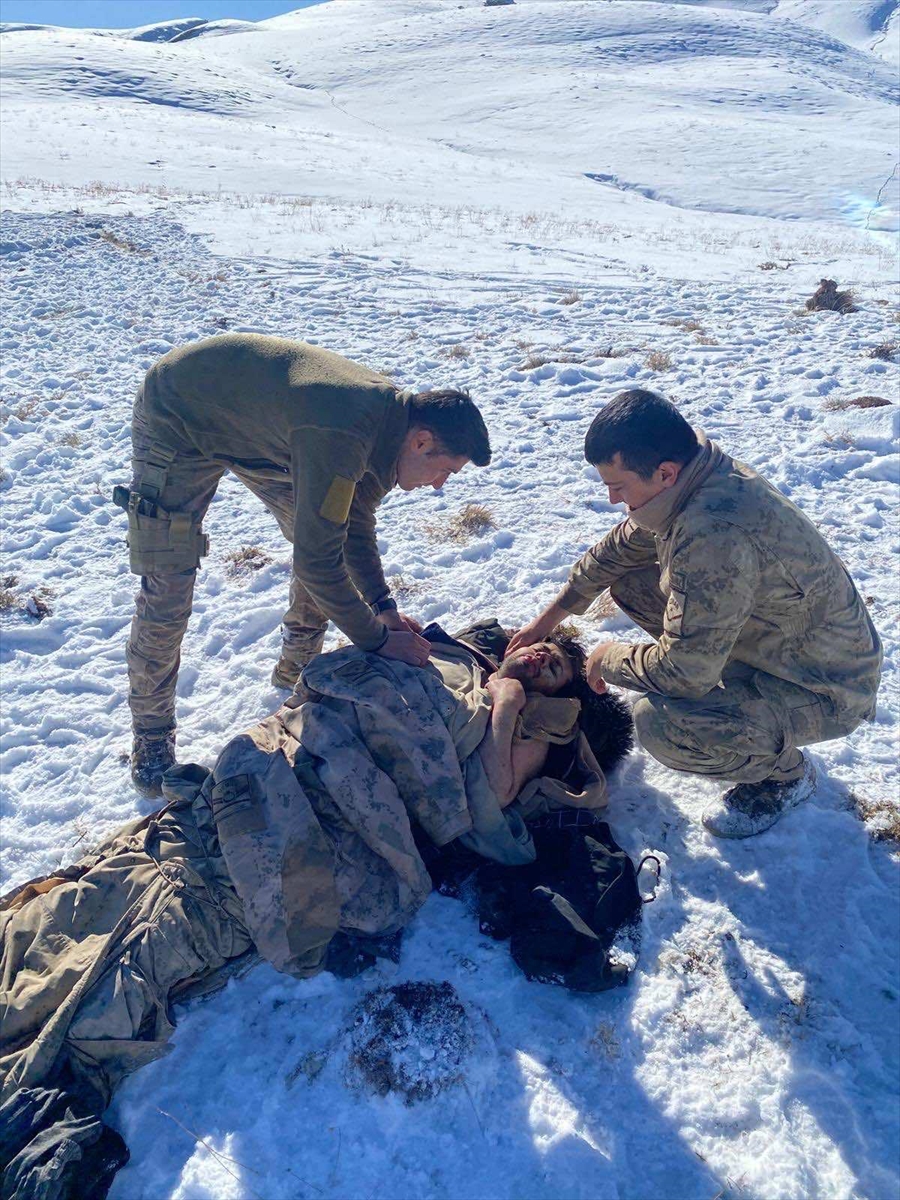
(320, 441)
(763, 644)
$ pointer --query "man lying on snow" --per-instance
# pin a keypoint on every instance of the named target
(762, 642)
(305, 828)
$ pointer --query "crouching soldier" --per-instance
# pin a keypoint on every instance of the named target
(762, 642)
(320, 441)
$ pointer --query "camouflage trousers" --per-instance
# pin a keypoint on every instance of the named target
(165, 550)
(747, 730)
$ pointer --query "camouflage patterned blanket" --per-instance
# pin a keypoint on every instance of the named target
(315, 807)
(304, 827)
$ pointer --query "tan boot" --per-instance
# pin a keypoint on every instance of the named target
(287, 675)
(286, 672)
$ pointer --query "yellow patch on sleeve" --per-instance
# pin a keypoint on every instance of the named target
(336, 505)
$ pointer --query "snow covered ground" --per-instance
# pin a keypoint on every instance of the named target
(528, 201)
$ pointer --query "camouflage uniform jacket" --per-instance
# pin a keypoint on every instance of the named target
(303, 827)
(315, 807)
(746, 577)
(331, 427)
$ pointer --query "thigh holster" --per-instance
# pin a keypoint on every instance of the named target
(160, 542)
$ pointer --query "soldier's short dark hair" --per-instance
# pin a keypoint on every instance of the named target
(644, 429)
(454, 420)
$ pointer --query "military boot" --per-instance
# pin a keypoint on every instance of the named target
(151, 756)
(749, 808)
(286, 672)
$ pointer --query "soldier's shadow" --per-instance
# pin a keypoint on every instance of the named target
(617, 1091)
(593, 1119)
(824, 905)
(810, 956)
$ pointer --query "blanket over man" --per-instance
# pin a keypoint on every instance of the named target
(304, 827)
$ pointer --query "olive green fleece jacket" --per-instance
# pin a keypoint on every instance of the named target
(330, 426)
(746, 577)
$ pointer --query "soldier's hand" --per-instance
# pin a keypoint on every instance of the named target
(534, 631)
(407, 647)
(400, 621)
(596, 682)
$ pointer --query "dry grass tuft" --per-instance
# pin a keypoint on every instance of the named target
(686, 325)
(703, 339)
(27, 408)
(245, 560)
(887, 351)
(857, 402)
(70, 439)
(458, 351)
(572, 297)
(827, 298)
(403, 588)
(568, 629)
(534, 361)
(473, 521)
(8, 598)
(658, 360)
(604, 606)
(113, 239)
(880, 817)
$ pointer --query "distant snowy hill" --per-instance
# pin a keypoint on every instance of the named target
(549, 105)
(866, 24)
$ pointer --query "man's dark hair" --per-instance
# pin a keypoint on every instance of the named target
(454, 420)
(644, 429)
(604, 720)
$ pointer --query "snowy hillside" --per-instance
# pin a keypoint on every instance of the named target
(544, 202)
(582, 109)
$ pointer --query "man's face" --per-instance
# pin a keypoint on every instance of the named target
(423, 463)
(544, 667)
(628, 488)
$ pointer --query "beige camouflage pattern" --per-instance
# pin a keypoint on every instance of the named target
(87, 966)
(293, 422)
(303, 827)
(386, 745)
(734, 582)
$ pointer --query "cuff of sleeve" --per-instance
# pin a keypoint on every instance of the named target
(383, 604)
(381, 641)
(613, 666)
(573, 601)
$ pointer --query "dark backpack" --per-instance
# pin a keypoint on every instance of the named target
(562, 912)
